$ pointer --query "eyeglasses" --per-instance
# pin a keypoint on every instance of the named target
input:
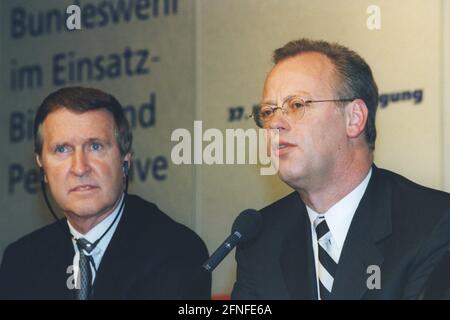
(294, 106)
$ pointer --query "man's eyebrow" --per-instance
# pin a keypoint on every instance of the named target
(273, 103)
(90, 140)
(57, 144)
(96, 139)
(297, 93)
(269, 102)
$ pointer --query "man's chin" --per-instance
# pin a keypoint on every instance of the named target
(289, 177)
(83, 212)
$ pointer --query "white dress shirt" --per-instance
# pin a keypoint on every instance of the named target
(92, 236)
(338, 219)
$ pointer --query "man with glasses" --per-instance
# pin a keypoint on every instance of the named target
(349, 230)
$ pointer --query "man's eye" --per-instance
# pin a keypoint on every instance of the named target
(266, 112)
(297, 104)
(96, 146)
(61, 149)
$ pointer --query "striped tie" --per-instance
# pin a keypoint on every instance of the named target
(327, 265)
(85, 275)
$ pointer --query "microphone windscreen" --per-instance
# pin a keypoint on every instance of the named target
(248, 224)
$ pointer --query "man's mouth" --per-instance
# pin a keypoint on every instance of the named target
(83, 188)
(283, 147)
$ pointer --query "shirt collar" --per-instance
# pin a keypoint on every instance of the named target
(96, 232)
(340, 215)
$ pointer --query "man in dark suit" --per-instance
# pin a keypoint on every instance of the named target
(350, 230)
(111, 245)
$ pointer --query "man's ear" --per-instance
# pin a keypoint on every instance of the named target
(127, 157)
(356, 113)
(38, 160)
(41, 169)
(126, 163)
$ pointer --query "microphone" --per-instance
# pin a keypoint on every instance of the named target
(246, 227)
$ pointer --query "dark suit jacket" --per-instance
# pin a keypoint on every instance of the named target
(400, 226)
(150, 256)
(438, 285)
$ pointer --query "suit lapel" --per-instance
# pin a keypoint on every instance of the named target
(113, 273)
(297, 259)
(371, 223)
(134, 250)
(54, 268)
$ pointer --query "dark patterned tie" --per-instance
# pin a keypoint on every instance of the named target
(85, 274)
(327, 266)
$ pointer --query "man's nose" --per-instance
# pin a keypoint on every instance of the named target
(279, 120)
(80, 163)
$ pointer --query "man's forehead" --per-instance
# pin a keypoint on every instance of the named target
(68, 123)
(65, 114)
(303, 73)
(314, 61)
